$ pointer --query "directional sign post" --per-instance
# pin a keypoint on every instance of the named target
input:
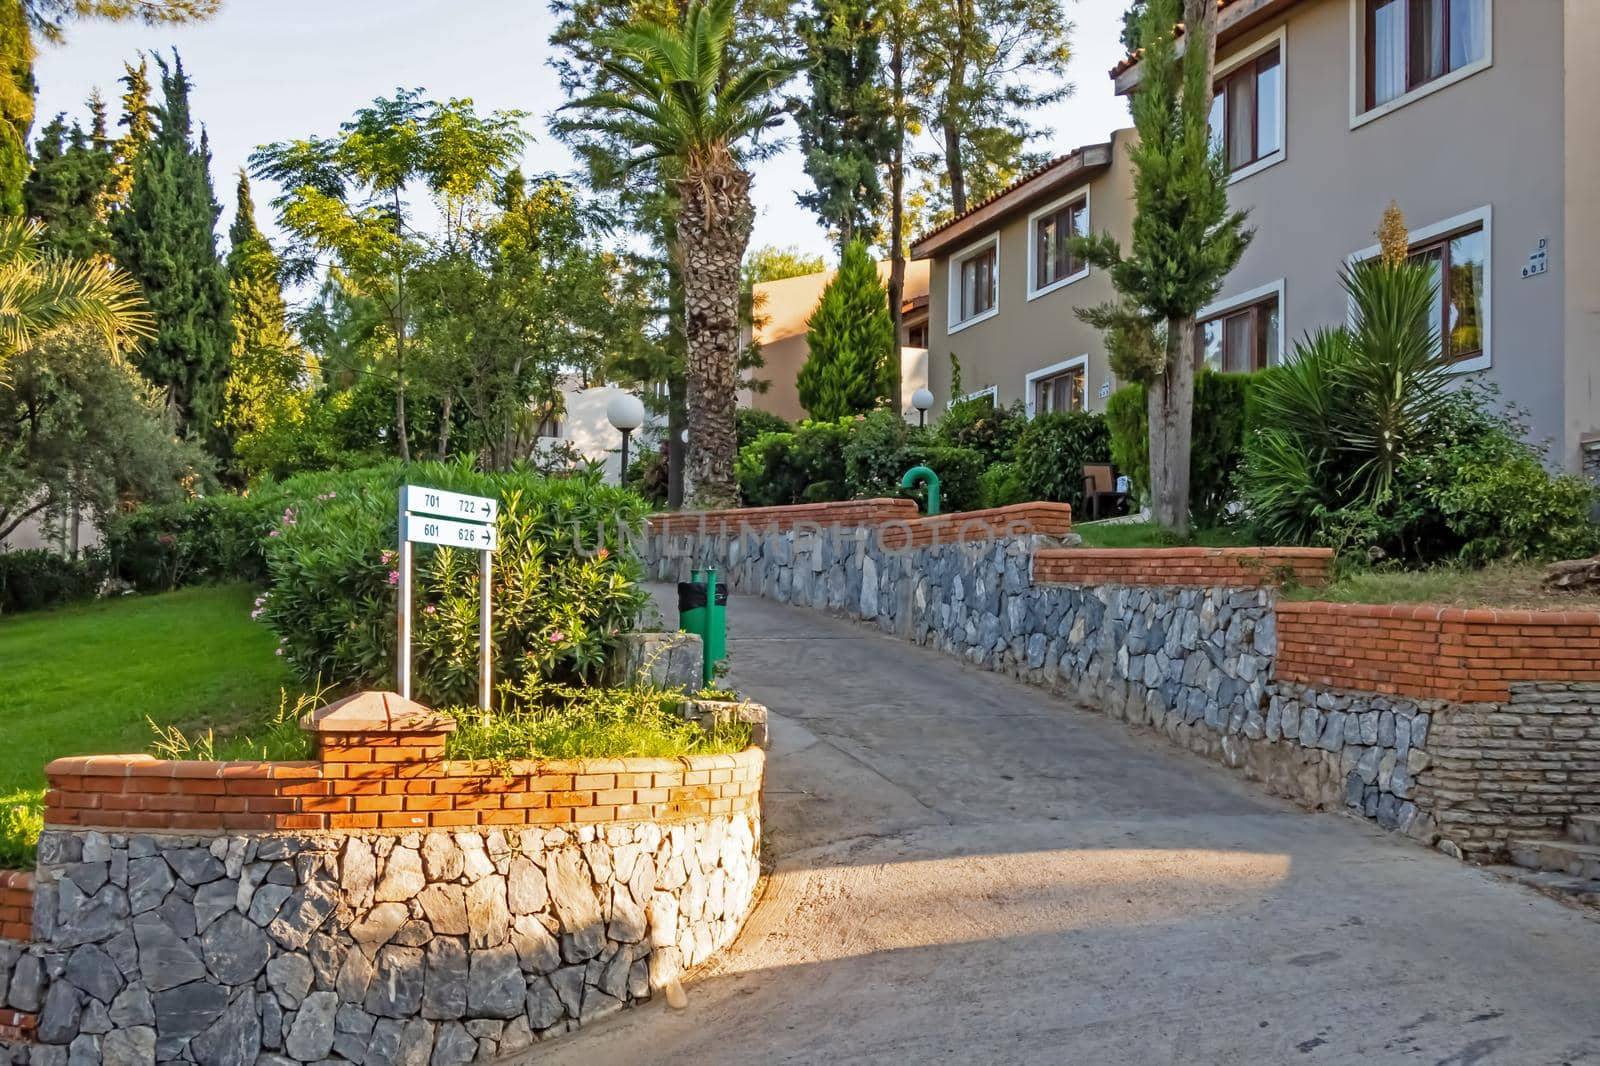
(453, 520)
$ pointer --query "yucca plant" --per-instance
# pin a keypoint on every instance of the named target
(1334, 424)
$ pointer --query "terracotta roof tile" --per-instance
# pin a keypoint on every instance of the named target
(1036, 172)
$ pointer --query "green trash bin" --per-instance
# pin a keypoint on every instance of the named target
(703, 610)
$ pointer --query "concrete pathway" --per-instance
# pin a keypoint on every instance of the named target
(969, 870)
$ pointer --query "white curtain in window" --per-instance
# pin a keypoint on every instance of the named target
(1388, 51)
(1468, 31)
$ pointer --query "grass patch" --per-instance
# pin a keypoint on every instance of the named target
(90, 680)
(1505, 585)
(1149, 535)
(591, 724)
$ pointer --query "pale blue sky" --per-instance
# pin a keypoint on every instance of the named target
(268, 70)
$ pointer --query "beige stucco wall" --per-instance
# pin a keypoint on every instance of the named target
(1028, 335)
(1493, 139)
(783, 307)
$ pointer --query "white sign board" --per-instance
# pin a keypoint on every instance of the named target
(421, 500)
(434, 516)
(425, 529)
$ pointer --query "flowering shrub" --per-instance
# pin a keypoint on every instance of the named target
(562, 589)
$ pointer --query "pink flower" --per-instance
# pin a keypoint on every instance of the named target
(430, 609)
(272, 533)
(386, 557)
(605, 553)
(394, 577)
(557, 637)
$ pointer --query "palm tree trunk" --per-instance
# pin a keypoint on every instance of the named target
(714, 222)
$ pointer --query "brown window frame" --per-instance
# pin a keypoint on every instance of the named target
(916, 332)
(1412, 80)
(1252, 69)
(1075, 264)
(1261, 324)
(1041, 386)
(1442, 245)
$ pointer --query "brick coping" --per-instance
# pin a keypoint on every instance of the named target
(389, 781)
(1184, 567)
(1432, 612)
(1191, 552)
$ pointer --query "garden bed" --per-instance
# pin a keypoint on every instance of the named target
(1501, 585)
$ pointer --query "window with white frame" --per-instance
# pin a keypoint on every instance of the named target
(1247, 112)
(975, 283)
(1458, 252)
(1052, 260)
(1061, 387)
(1243, 337)
(1409, 45)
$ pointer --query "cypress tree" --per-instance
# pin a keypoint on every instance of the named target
(266, 362)
(852, 351)
(136, 116)
(66, 191)
(846, 133)
(17, 89)
(166, 238)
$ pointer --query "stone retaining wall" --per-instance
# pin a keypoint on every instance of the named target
(426, 917)
(1208, 659)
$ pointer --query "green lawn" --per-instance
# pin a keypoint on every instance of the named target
(1506, 585)
(82, 680)
(1148, 535)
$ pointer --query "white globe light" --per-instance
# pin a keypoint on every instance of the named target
(922, 400)
(625, 411)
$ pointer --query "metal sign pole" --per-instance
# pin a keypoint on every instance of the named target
(485, 611)
(405, 602)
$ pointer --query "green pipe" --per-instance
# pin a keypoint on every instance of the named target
(707, 664)
(922, 473)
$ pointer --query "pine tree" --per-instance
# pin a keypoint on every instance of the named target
(66, 191)
(266, 364)
(17, 89)
(846, 134)
(851, 364)
(1186, 240)
(166, 238)
(136, 116)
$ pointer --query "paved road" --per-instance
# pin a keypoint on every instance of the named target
(971, 871)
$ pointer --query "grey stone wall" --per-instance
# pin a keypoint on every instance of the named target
(1194, 664)
(375, 948)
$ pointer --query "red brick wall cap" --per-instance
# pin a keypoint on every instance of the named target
(1432, 612)
(376, 712)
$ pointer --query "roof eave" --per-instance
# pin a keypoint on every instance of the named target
(1084, 165)
(1235, 20)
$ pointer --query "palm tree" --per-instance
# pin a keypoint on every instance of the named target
(683, 111)
(41, 293)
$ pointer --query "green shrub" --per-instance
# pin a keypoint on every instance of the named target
(1052, 452)
(32, 580)
(1475, 492)
(562, 722)
(805, 466)
(983, 427)
(750, 424)
(561, 594)
(21, 821)
(1222, 406)
(1001, 485)
(207, 538)
(647, 475)
(853, 358)
(878, 453)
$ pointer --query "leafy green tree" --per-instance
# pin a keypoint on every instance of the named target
(166, 238)
(846, 129)
(267, 365)
(80, 429)
(345, 197)
(978, 68)
(1186, 240)
(851, 345)
(772, 263)
(682, 107)
(42, 293)
(66, 191)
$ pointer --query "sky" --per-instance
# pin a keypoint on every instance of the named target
(272, 70)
